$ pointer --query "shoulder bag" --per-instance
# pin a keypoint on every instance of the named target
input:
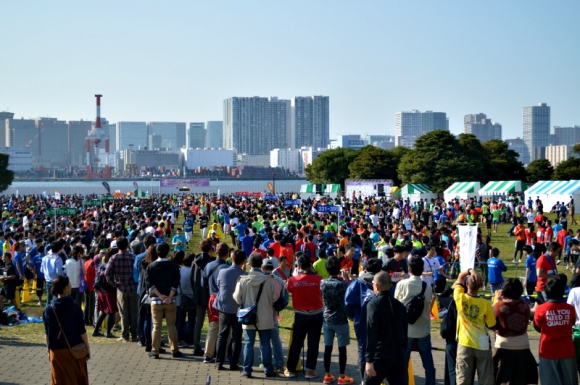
(79, 351)
(249, 315)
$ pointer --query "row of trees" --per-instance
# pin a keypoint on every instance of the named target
(439, 159)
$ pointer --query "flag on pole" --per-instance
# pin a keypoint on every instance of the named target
(56, 195)
(467, 245)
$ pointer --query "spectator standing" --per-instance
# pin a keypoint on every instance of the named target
(333, 292)
(387, 336)
(308, 309)
(120, 275)
(474, 316)
(545, 269)
(513, 361)
(261, 290)
(495, 267)
(419, 333)
(51, 267)
(210, 275)
(530, 277)
(200, 293)
(554, 320)
(228, 308)
(268, 268)
(162, 280)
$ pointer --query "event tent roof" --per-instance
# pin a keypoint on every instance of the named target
(416, 189)
(501, 187)
(554, 187)
(463, 188)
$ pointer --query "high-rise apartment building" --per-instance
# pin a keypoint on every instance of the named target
(172, 134)
(214, 134)
(568, 136)
(196, 135)
(311, 121)
(409, 125)
(255, 125)
(482, 127)
(536, 130)
(133, 135)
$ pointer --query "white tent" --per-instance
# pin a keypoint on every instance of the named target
(553, 191)
(462, 190)
(417, 192)
(502, 187)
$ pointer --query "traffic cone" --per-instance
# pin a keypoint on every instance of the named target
(25, 292)
(299, 365)
(435, 309)
(17, 299)
(33, 285)
(410, 372)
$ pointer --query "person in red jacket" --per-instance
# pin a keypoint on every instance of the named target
(554, 320)
(308, 308)
(90, 291)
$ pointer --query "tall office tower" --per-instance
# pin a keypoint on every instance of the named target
(311, 124)
(155, 142)
(5, 118)
(568, 136)
(214, 134)
(432, 121)
(407, 128)
(77, 133)
(173, 134)
(536, 124)
(519, 146)
(196, 135)
(255, 125)
(53, 142)
(482, 127)
(132, 134)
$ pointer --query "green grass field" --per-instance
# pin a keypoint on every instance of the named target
(35, 332)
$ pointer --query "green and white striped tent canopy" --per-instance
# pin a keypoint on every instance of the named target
(140, 194)
(462, 190)
(502, 187)
(332, 189)
(416, 191)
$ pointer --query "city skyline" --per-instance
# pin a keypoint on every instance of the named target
(455, 62)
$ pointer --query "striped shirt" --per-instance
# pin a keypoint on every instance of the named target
(119, 273)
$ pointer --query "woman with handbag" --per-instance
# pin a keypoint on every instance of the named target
(75, 270)
(66, 336)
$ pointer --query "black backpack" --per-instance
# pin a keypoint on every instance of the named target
(416, 305)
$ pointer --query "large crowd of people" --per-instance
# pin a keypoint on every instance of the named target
(374, 262)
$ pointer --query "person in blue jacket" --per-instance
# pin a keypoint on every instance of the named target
(358, 294)
(495, 267)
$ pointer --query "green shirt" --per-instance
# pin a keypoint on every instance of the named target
(320, 268)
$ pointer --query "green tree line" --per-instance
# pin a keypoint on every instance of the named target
(438, 160)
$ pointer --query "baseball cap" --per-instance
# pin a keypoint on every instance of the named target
(267, 262)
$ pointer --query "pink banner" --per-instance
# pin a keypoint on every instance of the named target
(198, 182)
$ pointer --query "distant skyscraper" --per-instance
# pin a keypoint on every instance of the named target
(482, 127)
(311, 121)
(196, 135)
(5, 119)
(255, 125)
(568, 136)
(432, 121)
(536, 130)
(77, 133)
(132, 134)
(172, 134)
(214, 134)
(519, 146)
(155, 142)
(412, 124)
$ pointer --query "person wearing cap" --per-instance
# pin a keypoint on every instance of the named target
(246, 294)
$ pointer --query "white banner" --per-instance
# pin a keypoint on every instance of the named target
(467, 243)
(56, 195)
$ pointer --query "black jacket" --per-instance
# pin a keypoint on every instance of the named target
(162, 275)
(200, 293)
(386, 328)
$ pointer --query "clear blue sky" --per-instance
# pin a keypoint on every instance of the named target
(178, 60)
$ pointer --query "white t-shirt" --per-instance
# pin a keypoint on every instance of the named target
(574, 300)
(73, 271)
(430, 265)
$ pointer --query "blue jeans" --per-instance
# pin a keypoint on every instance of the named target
(265, 350)
(277, 346)
(424, 346)
(185, 328)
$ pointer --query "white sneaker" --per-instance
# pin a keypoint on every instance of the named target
(39, 303)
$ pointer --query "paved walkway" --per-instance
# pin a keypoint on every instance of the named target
(126, 363)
